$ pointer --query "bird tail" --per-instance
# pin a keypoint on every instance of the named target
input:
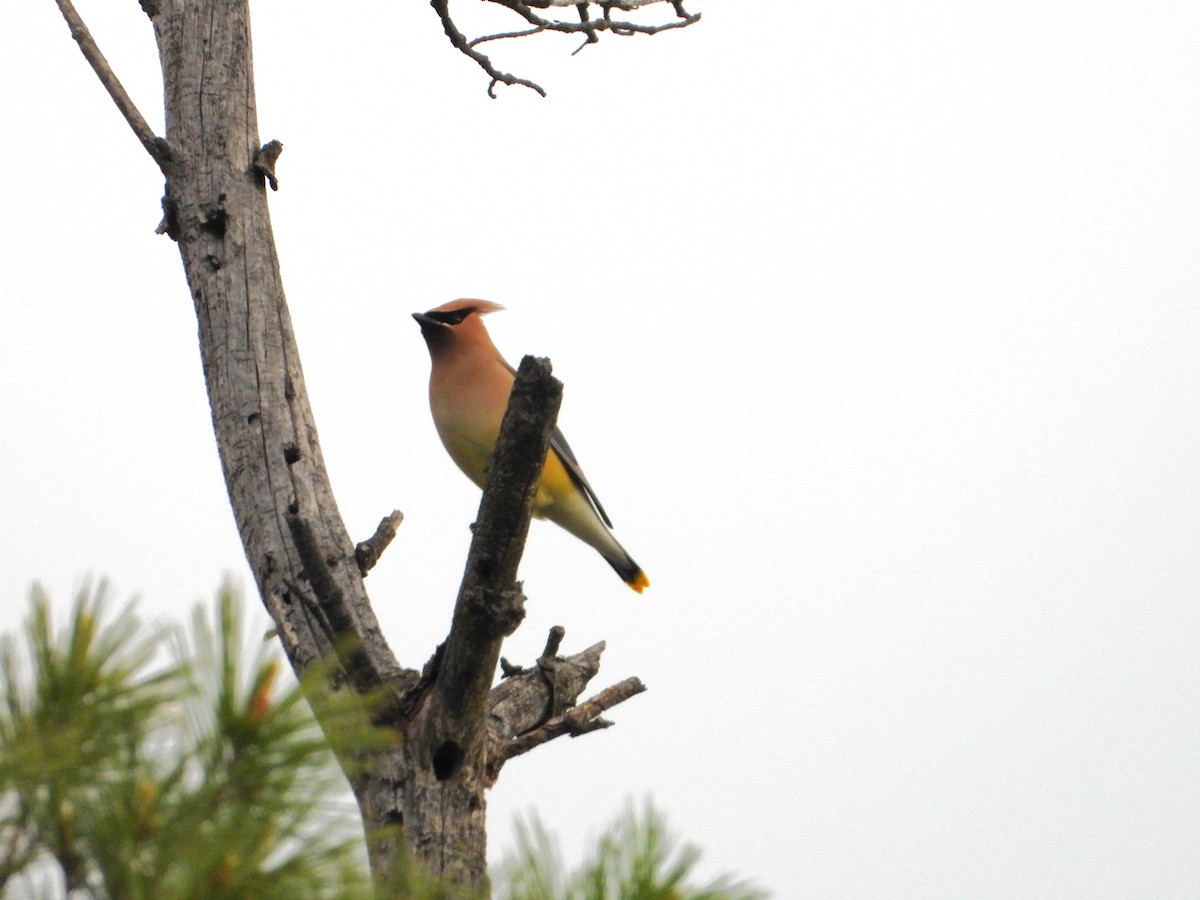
(631, 573)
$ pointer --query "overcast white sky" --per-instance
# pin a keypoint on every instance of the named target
(878, 323)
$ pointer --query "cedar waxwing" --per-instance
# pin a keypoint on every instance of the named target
(469, 385)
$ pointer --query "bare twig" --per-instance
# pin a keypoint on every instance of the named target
(587, 25)
(532, 696)
(606, 23)
(459, 40)
(575, 721)
(367, 553)
(588, 28)
(157, 147)
(553, 641)
(545, 661)
(506, 34)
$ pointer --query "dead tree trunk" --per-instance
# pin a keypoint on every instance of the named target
(424, 792)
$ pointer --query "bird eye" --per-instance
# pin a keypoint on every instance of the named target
(452, 317)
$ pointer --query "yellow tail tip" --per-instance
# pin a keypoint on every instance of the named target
(640, 582)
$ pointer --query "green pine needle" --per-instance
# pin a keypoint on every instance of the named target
(133, 772)
(637, 859)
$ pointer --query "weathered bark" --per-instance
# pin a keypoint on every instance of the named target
(215, 209)
(424, 791)
(444, 753)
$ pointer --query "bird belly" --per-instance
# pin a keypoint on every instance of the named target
(471, 454)
(558, 498)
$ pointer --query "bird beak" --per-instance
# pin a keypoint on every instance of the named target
(426, 322)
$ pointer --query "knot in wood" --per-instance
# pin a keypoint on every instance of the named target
(499, 611)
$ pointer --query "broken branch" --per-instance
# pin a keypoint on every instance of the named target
(490, 603)
(575, 721)
(367, 553)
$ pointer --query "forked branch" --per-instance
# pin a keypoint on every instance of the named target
(459, 40)
(575, 721)
(586, 24)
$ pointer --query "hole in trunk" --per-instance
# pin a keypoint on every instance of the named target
(447, 759)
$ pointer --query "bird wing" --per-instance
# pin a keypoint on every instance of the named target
(562, 449)
(559, 445)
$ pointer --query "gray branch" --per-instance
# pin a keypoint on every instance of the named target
(490, 603)
(367, 553)
(574, 721)
(158, 148)
(587, 25)
(531, 697)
